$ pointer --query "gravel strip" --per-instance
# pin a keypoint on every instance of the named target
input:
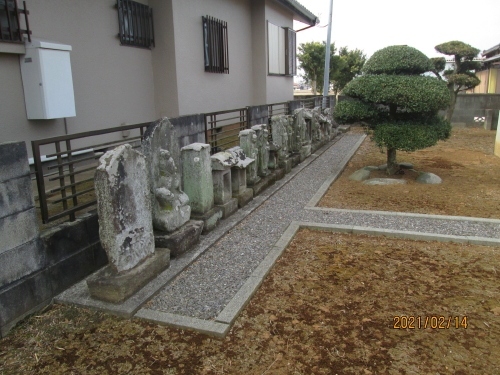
(204, 288)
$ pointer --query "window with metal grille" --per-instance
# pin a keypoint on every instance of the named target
(215, 45)
(281, 44)
(136, 24)
(10, 26)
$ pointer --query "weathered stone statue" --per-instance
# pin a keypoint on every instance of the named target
(262, 144)
(238, 176)
(198, 184)
(248, 143)
(170, 204)
(279, 129)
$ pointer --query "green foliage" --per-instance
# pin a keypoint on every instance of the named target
(461, 77)
(398, 60)
(409, 93)
(351, 64)
(349, 111)
(439, 63)
(465, 80)
(311, 57)
(458, 49)
(398, 104)
(411, 135)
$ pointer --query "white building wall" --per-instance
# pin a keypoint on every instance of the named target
(200, 91)
(113, 84)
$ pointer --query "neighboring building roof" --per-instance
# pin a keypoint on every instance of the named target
(490, 50)
(303, 14)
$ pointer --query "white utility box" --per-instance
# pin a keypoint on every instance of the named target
(47, 80)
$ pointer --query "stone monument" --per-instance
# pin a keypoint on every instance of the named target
(125, 226)
(198, 184)
(171, 210)
(279, 129)
(221, 175)
(248, 143)
(239, 177)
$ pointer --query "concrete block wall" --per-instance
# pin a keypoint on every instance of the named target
(19, 236)
(469, 106)
(189, 129)
(35, 267)
(258, 114)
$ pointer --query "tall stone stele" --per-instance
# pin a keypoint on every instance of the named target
(248, 143)
(262, 145)
(125, 226)
(170, 204)
(279, 128)
(198, 184)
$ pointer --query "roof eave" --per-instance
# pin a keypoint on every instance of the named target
(301, 14)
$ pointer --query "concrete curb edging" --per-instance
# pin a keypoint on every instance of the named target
(335, 174)
(407, 214)
(208, 327)
(409, 235)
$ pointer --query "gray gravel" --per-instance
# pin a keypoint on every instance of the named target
(204, 288)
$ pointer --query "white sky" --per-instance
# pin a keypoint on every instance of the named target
(374, 24)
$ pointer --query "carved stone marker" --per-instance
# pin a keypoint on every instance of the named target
(171, 210)
(125, 226)
(239, 177)
(248, 143)
(221, 174)
(262, 144)
(198, 184)
(279, 127)
(170, 204)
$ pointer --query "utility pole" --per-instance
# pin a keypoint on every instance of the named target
(326, 79)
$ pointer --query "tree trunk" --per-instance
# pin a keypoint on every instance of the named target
(392, 165)
(453, 101)
(313, 87)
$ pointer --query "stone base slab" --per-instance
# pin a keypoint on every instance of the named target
(263, 184)
(305, 151)
(245, 196)
(107, 285)
(286, 165)
(279, 173)
(229, 207)
(210, 218)
(295, 160)
(180, 240)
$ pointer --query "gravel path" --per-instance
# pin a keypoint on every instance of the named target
(204, 288)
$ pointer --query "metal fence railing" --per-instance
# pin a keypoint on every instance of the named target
(65, 166)
(278, 109)
(222, 128)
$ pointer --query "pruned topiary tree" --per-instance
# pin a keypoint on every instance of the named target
(462, 76)
(398, 105)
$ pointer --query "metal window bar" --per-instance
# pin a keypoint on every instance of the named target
(10, 26)
(135, 22)
(63, 200)
(222, 128)
(215, 45)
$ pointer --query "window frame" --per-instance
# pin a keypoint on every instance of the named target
(215, 45)
(135, 24)
(10, 14)
(281, 50)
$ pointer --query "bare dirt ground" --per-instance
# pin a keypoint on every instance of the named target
(333, 303)
(466, 163)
